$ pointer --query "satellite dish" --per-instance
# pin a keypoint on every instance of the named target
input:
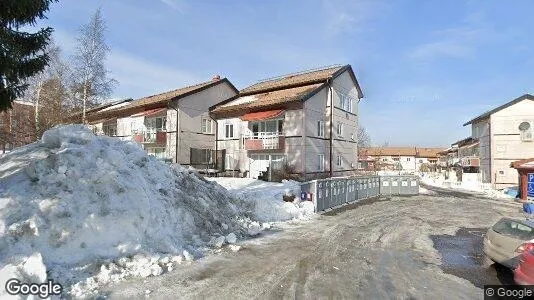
(524, 126)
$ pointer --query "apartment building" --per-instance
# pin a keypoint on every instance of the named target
(504, 135)
(174, 125)
(307, 120)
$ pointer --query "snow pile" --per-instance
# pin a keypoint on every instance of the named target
(438, 180)
(267, 198)
(75, 205)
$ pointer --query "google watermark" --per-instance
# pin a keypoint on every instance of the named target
(508, 292)
(44, 290)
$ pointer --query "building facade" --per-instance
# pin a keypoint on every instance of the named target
(174, 126)
(307, 121)
(408, 159)
(504, 135)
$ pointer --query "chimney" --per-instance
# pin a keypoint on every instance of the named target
(216, 77)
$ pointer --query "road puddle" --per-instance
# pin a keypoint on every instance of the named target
(462, 256)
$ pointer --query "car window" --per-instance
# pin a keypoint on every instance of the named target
(513, 228)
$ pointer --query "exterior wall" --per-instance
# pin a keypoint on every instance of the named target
(170, 147)
(191, 111)
(300, 128)
(506, 144)
(315, 110)
(481, 131)
(345, 145)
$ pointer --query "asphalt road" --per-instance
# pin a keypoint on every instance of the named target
(426, 246)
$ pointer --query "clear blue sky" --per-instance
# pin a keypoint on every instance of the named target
(425, 67)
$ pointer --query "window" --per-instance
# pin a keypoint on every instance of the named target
(420, 161)
(396, 158)
(229, 131)
(345, 102)
(408, 159)
(270, 126)
(320, 128)
(341, 101)
(320, 162)
(339, 161)
(339, 129)
(155, 124)
(110, 130)
(207, 126)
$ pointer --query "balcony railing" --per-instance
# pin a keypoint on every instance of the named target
(264, 141)
(145, 137)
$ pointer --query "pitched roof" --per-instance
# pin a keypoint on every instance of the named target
(291, 80)
(489, 113)
(159, 100)
(428, 152)
(286, 90)
(272, 99)
(388, 151)
(401, 151)
(98, 108)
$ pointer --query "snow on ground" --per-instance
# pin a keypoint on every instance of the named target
(266, 198)
(85, 210)
(438, 180)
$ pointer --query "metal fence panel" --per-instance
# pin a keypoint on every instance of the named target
(333, 192)
(351, 190)
(413, 188)
(385, 188)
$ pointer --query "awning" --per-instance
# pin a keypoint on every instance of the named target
(262, 115)
(149, 112)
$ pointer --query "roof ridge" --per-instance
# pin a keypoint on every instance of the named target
(182, 88)
(299, 73)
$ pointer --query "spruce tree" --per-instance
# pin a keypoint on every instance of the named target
(22, 53)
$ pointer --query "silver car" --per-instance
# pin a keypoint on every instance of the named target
(504, 241)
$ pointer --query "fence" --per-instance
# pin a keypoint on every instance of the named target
(207, 158)
(333, 192)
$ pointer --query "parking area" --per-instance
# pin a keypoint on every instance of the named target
(425, 246)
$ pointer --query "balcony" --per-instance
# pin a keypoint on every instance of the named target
(158, 138)
(264, 141)
(471, 161)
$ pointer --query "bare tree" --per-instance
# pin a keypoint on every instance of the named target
(91, 84)
(48, 92)
(364, 140)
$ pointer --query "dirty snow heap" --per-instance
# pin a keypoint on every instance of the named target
(79, 208)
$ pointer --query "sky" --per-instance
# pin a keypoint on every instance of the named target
(425, 67)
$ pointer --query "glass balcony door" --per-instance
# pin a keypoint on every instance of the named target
(261, 129)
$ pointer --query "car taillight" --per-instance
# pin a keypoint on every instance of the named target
(525, 247)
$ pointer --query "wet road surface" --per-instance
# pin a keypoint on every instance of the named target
(426, 246)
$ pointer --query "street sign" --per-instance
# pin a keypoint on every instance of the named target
(530, 179)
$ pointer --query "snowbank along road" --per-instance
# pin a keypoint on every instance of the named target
(400, 247)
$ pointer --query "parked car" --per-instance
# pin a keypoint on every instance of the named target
(524, 273)
(507, 239)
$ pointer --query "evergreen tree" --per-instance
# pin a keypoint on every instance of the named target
(21, 53)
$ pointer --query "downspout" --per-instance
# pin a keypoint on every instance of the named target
(304, 134)
(329, 81)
